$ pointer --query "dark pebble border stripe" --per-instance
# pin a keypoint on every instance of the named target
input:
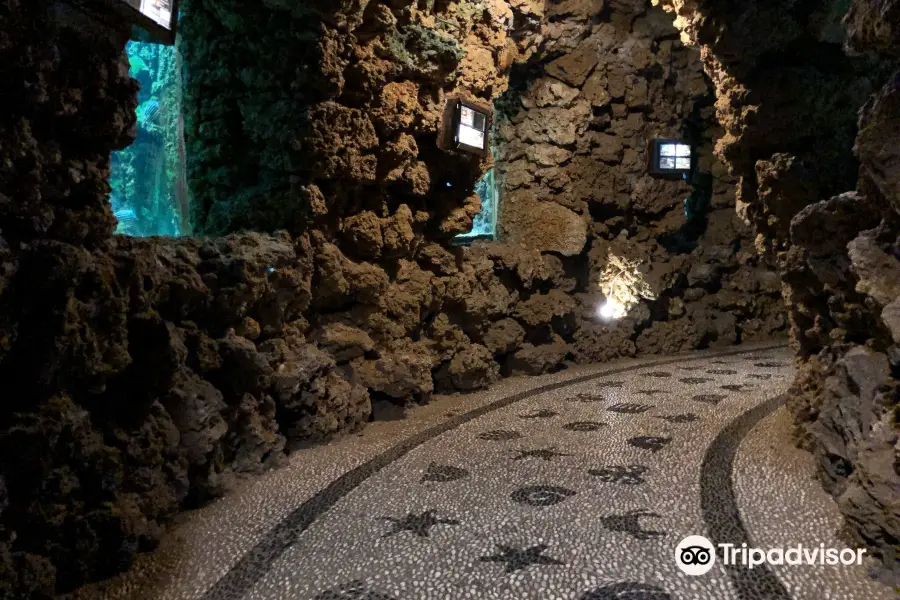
(719, 505)
(253, 566)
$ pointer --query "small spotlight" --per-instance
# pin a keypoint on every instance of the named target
(449, 184)
(611, 310)
(271, 269)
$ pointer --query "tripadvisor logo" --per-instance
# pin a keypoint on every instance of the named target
(696, 555)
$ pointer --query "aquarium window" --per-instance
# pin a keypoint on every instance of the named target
(484, 225)
(149, 191)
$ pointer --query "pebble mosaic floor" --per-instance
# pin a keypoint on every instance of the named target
(573, 486)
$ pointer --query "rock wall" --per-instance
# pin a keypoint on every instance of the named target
(839, 253)
(300, 115)
(572, 157)
(141, 376)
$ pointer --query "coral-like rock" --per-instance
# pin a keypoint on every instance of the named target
(402, 372)
(878, 272)
(504, 336)
(891, 317)
(546, 225)
(343, 342)
(471, 369)
(879, 126)
(535, 360)
(331, 405)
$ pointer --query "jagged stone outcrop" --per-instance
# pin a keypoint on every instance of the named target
(348, 115)
(156, 371)
(837, 250)
(574, 135)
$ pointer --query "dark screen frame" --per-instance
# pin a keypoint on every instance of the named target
(655, 147)
(457, 118)
(122, 11)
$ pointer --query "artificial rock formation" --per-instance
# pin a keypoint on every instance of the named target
(572, 156)
(142, 376)
(838, 251)
(335, 127)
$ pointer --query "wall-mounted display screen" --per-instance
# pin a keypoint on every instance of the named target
(470, 128)
(670, 157)
(160, 11)
(151, 20)
(675, 156)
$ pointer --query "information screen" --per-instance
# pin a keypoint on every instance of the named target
(674, 156)
(159, 11)
(472, 125)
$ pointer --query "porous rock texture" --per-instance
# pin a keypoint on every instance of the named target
(139, 377)
(838, 251)
(572, 154)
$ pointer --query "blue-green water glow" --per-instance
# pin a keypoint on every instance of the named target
(484, 224)
(149, 192)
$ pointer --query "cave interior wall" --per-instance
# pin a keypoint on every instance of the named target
(146, 374)
(787, 95)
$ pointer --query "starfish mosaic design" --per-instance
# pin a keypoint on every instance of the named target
(658, 374)
(584, 426)
(355, 590)
(721, 372)
(652, 393)
(517, 559)
(759, 376)
(610, 384)
(420, 524)
(544, 454)
(735, 387)
(695, 380)
(768, 365)
(626, 591)
(587, 397)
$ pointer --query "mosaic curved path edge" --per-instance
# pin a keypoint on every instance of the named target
(254, 565)
(579, 489)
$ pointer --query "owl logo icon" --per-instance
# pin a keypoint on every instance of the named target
(695, 555)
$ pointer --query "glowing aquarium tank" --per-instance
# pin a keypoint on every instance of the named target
(149, 191)
(484, 224)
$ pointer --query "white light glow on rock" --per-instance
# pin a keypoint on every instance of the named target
(611, 309)
(623, 285)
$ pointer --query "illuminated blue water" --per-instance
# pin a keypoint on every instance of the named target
(149, 192)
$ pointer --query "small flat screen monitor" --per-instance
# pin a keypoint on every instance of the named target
(471, 129)
(670, 157)
(158, 17)
(159, 11)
